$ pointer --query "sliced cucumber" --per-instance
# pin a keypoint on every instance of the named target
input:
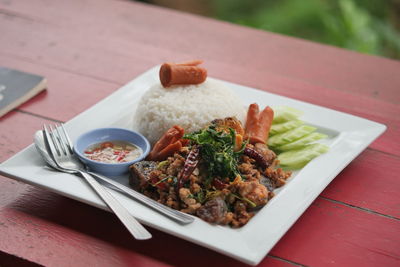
(302, 142)
(284, 127)
(283, 114)
(290, 136)
(297, 159)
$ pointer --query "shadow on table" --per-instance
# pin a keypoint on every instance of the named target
(7, 260)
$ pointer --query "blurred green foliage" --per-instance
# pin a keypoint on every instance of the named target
(366, 26)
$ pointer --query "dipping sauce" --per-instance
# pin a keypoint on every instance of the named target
(113, 152)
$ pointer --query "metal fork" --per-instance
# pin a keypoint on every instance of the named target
(56, 140)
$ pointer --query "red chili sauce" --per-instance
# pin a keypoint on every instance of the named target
(113, 152)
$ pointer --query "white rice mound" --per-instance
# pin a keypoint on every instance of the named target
(191, 106)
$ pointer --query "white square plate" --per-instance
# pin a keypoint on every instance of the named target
(348, 136)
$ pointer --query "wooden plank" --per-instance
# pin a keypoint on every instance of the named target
(125, 65)
(49, 46)
(39, 227)
(345, 188)
(352, 186)
(44, 235)
(36, 224)
(354, 195)
(268, 261)
(67, 95)
(362, 106)
(327, 233)
(141, 36)
(371, 181)
(52, 105)
(331, 234)
(136, 26)
(16, 132)
(87, 91)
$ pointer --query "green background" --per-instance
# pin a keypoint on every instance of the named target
(366, 26)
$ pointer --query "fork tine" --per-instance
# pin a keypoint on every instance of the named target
(55, 140)
(49, 142)
(61, 139)
(66, 138)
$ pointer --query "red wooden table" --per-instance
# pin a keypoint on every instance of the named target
(88, 49)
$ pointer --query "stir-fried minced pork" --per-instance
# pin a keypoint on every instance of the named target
(278, 176)
(226, 191)
(186, 196)
(254, 192)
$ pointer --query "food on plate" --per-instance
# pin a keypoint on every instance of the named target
(258, 124)
(169, 143)
(182, 73)
(290, 136)
(284, 114)
(214, 173)
(302, 142)
(284, 126)
(203, 161)
(113, 152)
(292, 140)
(296, 159)
(191, 106)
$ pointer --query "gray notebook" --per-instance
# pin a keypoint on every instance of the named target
(16, 87)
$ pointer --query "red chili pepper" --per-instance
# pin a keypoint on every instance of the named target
(190, 164)
(217, 183)
(116, 152)
(156, 183)
(121, 156)
(88, 152)
(254, 154)
(162, 186)
(106, 144)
